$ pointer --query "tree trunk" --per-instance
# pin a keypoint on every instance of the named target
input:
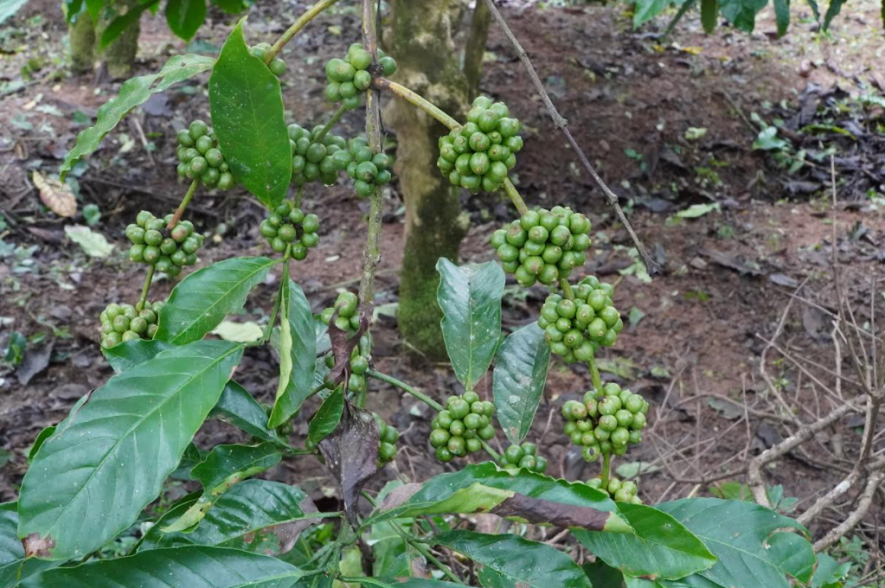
(119, 56)
(428, 64)
(476, 47)
(81, 33)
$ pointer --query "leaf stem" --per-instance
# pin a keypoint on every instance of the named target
(184, 202)
(144, 289)
(406, 388)
(299, 24)
(284, 282)
(335, 118)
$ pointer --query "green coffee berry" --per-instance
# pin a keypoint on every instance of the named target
(476, 156)
(348, 78)
(314, 156)
(605, 422)
(288, 227)
(524, 456)
(387, 437)
(461, 427)
(167, 251)
(122, 322)
(200, 158)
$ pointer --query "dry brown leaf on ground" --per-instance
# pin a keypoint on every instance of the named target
(57, 196)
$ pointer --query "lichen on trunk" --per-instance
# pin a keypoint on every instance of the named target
(119, 55)
(428, 63)
(81, 32)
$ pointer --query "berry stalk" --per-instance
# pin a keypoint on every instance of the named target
(332, 121)
(606, 468)
(594, 373)
(407, 388)
(417, 100)
(515, 197)
(144, 289)
(284, 282)
(179, 212)
(299, 24)
(567, 289)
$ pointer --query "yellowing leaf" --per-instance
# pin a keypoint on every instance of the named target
(693, 50)
(57, 196)
(238, 332)
(93, 243)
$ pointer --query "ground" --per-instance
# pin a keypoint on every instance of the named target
(668, 122)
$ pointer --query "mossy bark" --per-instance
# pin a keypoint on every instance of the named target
(428, 64)
(81, 33)
(119, 55)
(475, 50)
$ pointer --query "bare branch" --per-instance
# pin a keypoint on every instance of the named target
(651, 266)
(864, 503)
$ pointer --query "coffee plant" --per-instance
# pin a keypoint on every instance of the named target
(84, 516)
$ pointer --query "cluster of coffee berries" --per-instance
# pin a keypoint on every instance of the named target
(620, 490)
(479, 155)
(122, 322)
(525, 456)
(388, 436)
(606, 422)
(367, 169)
(168, 251)
(457, 430)
(543, 246)
(348, 317)
(575, 329)
(276, 66)
(347, 78)
(359, 365)
(313, 156)
(199, 157)
(287, 226)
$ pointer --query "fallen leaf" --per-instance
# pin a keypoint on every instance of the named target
(695, 133)
(238, 332)
(698, 210)
(58, 197)
(635, 469)
(92, 242)
(35, 361)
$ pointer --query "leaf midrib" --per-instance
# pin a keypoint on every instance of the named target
(186, 330)
(135, 426)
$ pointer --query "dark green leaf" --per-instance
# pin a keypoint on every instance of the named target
(108, 459)
(748, 540)
(124, 21)
(645, 10)
(201, 301)
(603, 575)
(829, 573)
(192, 456)
(298, 354)
(470, 298)
(710, 13)
(526, 563)
(237, 407)
(659, 546)
(833, 11)
(742, 13)
(327, 418)
(93, 8)
(489, 578)
(13, 566)
(782, 14)
(815, 9)
(422, 583)
(232, 6)
(133, 92)
(255, 515)
(519, 379)
(686, 6)
(129, 354)
(45, 434)
(190, 566)
(185, 17)
(486, 488)
(247, 114)
(234, 461)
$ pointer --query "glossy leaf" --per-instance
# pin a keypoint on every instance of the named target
(126, 355)
(645, 10)
(601, 574)
(10, 7)
(119, 24)
(13, 566)
(133, 92)
(45, 434)
(239, 461)
(749, 540)
(201, 301)
(232, 6)
(710, 14)
(108, 459)
(659, 546)
(298, 354)
(833, 11)
(191, 566)
(486, 488)
(327, 418)
(255, 515)
(470, 298)
(527, 563)
(247, 113)
(237, 407)
(423, 583)
(519, 378)
(184, 17)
